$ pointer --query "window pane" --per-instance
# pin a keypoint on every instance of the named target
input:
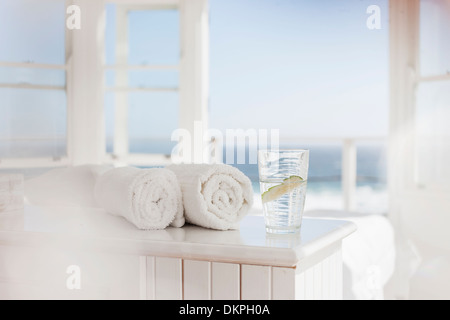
(153, 79)
(153, 37)
(152, 119)
(434, 37)
(32, 31)
(31, 129)
(9, 75)
(146, 79)
(433, 134)
(110, 34)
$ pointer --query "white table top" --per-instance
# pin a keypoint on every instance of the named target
(93, 229)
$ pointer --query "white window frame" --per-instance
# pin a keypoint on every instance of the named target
(39, 162)
(86, 141)
(192, 67)
(405, 80)
(121, 152)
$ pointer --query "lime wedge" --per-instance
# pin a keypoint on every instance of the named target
(276, 192)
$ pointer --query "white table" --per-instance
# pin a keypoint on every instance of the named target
(72, 253)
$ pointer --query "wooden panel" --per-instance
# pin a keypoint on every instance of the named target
(309, 284)
(300, 285)
(321, 280)
(317, 274)
(326, 278)
(142, 278)
(150, 277)
(339, 275)
(283, 283)
(256, 282)
(168, 279)
(225, 281)
(197, 280)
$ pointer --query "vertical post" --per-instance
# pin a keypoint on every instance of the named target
(86, 134)
(349, 173)
(194, 69)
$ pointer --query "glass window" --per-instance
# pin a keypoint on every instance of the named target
(152, 118)
(153, 37)
(32, 76)
(32, 31)
(33, 123)
(145, 83)
(33, 99)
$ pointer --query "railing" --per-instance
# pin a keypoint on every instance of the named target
(349, 162)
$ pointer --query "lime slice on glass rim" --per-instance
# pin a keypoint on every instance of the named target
(287, 186)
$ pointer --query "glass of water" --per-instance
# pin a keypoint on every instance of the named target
(283, 177)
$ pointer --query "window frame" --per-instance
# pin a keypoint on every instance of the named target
(121, 153)
(86, 141)
(193, 77)
(40, 162)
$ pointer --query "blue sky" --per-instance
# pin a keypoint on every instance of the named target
(306, 67)
(309, 68)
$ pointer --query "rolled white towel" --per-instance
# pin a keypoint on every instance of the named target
(215, 196)
(149, 198)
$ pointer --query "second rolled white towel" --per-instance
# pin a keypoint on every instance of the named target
(149, 198)
(215, 196)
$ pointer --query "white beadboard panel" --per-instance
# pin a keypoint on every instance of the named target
(339, 275)
(317, 274)
(300, 285)
(326, 278)
(335, 284)
(225, 281)
(256, 282)
(150, 278)
(142, 278)
(197, 280)
(168, 279)
(321, 281)
(283, 283)
(333, 287)
(306, 263)
(309, 284)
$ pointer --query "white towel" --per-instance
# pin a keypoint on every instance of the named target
(215, 196)
(149, 198)
(11, 192)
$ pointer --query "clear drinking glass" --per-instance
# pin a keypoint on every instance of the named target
(283, 177)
